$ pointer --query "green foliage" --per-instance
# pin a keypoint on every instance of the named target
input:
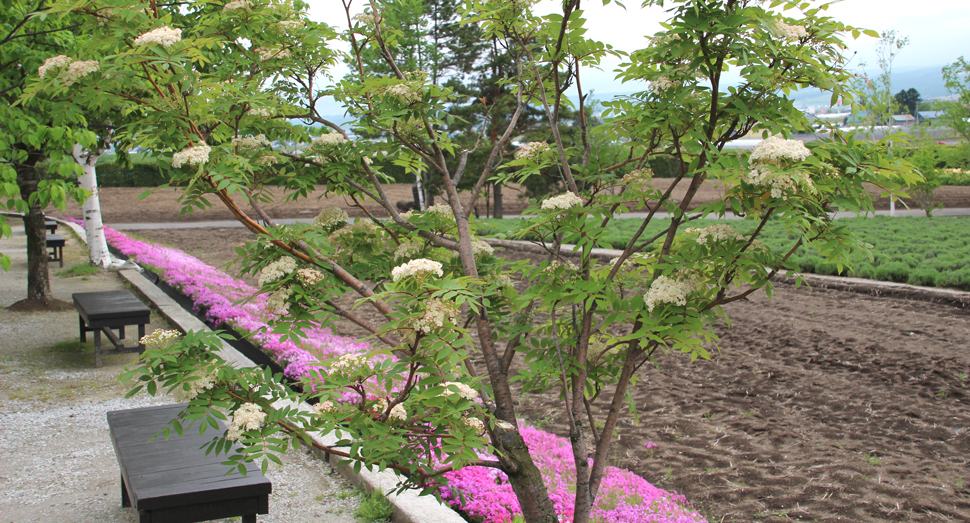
(79, 269)
(956, 113)
(374, 508)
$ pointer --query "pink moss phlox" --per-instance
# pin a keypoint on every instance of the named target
(623, 496)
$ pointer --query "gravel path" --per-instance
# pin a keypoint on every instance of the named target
(58, 461)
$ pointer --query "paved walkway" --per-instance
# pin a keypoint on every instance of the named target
(287, 221)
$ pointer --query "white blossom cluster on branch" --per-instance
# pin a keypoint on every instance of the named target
(163, 36)
(790, 32)
(248, 416)
(277, 270)
(639, 179)
(436, 312)
(418, 268)
(251, 142)
(564, 201)
(665, 289)
(718, 232)
(532, 151)
(237, 5)
(330, 217)
(329, 139)
(195, 155)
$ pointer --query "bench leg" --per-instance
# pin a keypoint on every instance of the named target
(125, 502)
(121, 333)
(97, 348)
(141, 334)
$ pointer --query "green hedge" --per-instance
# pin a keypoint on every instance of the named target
(136, 175)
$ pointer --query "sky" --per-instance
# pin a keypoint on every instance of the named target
(937, 30)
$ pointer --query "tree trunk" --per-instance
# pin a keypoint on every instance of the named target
(38, 279)
(498, 202)
(93, 226)
(526, 482)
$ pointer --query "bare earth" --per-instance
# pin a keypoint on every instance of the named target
(822, 405)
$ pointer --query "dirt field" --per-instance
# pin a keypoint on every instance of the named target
(822, 405)
(121, 204)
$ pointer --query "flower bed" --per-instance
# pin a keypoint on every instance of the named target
(482, 494)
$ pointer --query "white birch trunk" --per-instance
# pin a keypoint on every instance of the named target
(93, 226)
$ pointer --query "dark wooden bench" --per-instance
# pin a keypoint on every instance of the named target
(173, 480)
(51, 226)
(55, 242)
(102, 311)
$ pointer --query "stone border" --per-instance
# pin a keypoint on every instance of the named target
(875, 288)
(409, 507)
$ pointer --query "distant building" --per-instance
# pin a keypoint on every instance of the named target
(928, 116)
(904, 120)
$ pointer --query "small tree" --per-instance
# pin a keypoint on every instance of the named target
(907, 101)
(956, 113)
(206, 76)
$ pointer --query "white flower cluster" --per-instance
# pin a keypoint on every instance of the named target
(277, 303)
(268, 53)
(481, 248)
(775, 149)
(193, 388)
(397, 413)
(330, 217)
(260, 111)
(277, 270)
(52, 63)
(665, 289)
(403, 91)
(251, 142)
(556, 264)
(638, 179)
(160, 337)
(418, 268)
(715, 233)
(441, 209)
(266, 159)
(329, 139)
(163, 36)
(324, 406)
(365, 227)
(407, 250)
(661, 84)
(309, 277)
(368, 20)
(562, 202)
(475, 424)
(195, 155)
(288, 26)
(779, 184)
(80, 69)
(237, 5)
(501, 280)
(532, 151)
(248, 416)
(436, 312)
(790, 32)
(464, 391)
(351, 365)
(379, 406)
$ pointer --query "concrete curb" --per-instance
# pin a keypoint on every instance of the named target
(871, 287)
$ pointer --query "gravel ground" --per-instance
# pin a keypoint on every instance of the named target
(58, 463)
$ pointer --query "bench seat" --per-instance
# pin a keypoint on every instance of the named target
(103, 311)
(173, 480)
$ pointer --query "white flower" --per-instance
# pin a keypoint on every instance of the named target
(501, 280)
(289, 26)
(532, 151)
(351, 366)
(277, 304)
(163, 36)
(309, 277)
(397, 413)
(237, 5)
(408, 250)
(80, 69)
(474, 424)
(775, 149)
(250, 142)
(192, 388)
(436, 312)
(562, 202)
(160, 337)
(330, 217)
(716, 233)
(556, 264)
(195, 155)
(248, 416)
(268, 53)
(51, 63)
(463, 390)
(366, 20)
(323, 407)
(661, 84)
(403, 91)
(665, 289)
(277, 270)
(639, 179)
(481, 248)
(329, 139)
(260, 111)
(441, 209)
(379, 406)
(418, 268)
(790, 32)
